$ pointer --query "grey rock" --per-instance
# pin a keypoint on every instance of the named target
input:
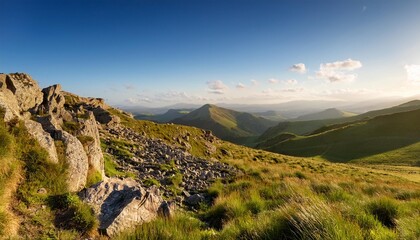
(44, 139)
(93, 149)
(25, 89)
(167, 209)
(122, 204)
(195, 200)
(77, 161)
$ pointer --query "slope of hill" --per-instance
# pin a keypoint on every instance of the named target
(329, 113)
(317, 126)
(357, 140)
(226, 124)
(168, 116)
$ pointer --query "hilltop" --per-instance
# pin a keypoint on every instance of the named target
(225, 123)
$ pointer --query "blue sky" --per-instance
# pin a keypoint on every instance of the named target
(156, 53)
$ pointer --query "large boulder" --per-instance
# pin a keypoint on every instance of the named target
(122, 204)
(26, 90)
(44, 139)
(93, 148)
(77, 161)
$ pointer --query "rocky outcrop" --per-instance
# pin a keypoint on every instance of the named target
(154, 159)
(93, 147)
(25, 90)
(121, 204)
(105, 117)
(8, 101)
(44, 139)
(77, 161)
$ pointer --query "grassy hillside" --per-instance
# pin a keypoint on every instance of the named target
(388, 133)
(283, 197)
(34, 193)
(224, 123)
(330, 113)
(318, 126)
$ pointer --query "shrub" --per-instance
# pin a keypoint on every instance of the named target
(151, 182)
(300, 175)
(385, 210)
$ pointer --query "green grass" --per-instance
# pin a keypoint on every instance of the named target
(39, 180)
(111, 168)
(394, 134)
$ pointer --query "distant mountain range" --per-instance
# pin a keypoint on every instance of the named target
(225, 123)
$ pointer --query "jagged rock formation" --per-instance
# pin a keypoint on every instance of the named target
(21, 98)
(120, 204)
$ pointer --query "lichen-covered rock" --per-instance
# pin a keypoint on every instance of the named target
(8, 101)
(44, 139)
(77, 161)
(121, 204)
(93, 148)
(26, 90)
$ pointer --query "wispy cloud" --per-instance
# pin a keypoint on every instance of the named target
(240, 86)
(299, 68)
(254, 82)
(216, 87)
(413, 73)
(339, 71)
(273, 81)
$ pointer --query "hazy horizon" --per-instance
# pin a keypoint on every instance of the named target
(159, 53)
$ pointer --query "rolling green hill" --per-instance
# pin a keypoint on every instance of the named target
(226, 124)
(318, 126)
(168, 116)
(329, 113)
(393, 133)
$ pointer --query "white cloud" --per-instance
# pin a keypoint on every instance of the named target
(254, 82)
(413, 73)
(299, 68)
(273, 81)
(216, 87)
(291, 82)
(339, 71)
(240, 86)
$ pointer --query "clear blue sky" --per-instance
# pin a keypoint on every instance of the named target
(161, 52)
